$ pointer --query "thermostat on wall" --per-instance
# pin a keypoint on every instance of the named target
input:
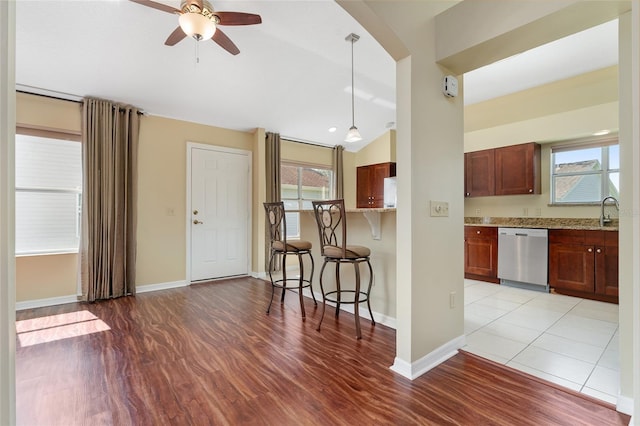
(450, 86)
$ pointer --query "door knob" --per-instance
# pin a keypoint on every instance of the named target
(195, 212)
(197, 222)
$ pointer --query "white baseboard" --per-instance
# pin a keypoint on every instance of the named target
(259, 275)
(625, 405)
(161, 286)
(429, 361)
(363, 311)
(62, 300)
(41, 303)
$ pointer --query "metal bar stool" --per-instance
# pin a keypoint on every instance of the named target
(277, 223)
(332, 228)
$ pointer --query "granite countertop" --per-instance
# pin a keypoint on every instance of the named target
(352, 210)
(539, 222)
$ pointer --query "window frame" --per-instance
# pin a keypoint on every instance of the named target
(604, 172)
(299, 200)
(39, 132)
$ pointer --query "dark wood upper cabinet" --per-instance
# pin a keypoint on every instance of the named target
(518, 169)
(510, 170)
(479, 177)
(370, 184)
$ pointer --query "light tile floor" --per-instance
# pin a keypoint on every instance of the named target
(566, 340)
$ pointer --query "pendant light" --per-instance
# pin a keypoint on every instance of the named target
(353, 135)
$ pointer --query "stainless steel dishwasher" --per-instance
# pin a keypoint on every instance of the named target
(522, 258)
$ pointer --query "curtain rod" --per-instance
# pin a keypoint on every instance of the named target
(286, 138)
(60, 98)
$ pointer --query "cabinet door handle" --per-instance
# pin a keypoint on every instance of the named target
(531, 190)
(467, 194)
(598, 251)
(477, 232)
(589, 249)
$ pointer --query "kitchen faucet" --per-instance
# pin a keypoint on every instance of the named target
(604, 220)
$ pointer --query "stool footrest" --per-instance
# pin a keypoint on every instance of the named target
(329, 296)
(295, 283)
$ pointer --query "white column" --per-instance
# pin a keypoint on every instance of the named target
(7, 227)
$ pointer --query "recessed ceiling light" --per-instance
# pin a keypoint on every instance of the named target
(601, 132)
(332, 129)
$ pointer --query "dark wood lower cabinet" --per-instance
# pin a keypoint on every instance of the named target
(584, 264)
(481, 253)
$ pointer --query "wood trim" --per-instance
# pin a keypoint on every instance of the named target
(48, 132)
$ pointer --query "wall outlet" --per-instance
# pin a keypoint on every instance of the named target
(171, 211)
(538, 211)
(477, 212)
(439, 208)
(452, 299)
(525, 212)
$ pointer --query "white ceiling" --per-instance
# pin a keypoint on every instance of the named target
(292, 76)
(576, 54)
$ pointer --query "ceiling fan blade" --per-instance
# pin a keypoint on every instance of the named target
(225, 42)
(176, 36)
(238, 18)
(156, 5)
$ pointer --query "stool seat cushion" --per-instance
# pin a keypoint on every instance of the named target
(353, 252)
(295, 245)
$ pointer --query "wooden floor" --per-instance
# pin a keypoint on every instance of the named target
(208, 354)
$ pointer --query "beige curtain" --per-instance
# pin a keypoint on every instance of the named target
(273, 167)
(273, 187)
(109, 166)
(338, 172)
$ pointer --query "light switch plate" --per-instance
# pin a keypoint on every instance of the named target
(439, 208)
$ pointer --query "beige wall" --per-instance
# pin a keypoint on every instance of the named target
(429, 153)
(383, 259)
(380, 150)
(47, 113)
(570, 116)
(629, 276)
(46, 276)
(7, 209)
(162, 206)
(161, 251)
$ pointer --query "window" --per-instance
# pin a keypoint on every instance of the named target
(48, 194)
(299, 186)
(585, 174)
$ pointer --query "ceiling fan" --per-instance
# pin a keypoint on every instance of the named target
(197, 19)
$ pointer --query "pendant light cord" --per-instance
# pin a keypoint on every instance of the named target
(353, 114)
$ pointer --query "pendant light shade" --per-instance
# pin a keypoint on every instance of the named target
(353, 135)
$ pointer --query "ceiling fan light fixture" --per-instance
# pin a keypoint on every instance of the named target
(353, 135)
(197, 25)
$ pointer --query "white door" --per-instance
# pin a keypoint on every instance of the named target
(219, 214)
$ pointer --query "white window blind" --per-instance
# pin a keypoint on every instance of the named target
(48, 194)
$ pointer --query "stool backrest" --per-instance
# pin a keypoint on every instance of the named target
(276, 221)
(332, 224)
